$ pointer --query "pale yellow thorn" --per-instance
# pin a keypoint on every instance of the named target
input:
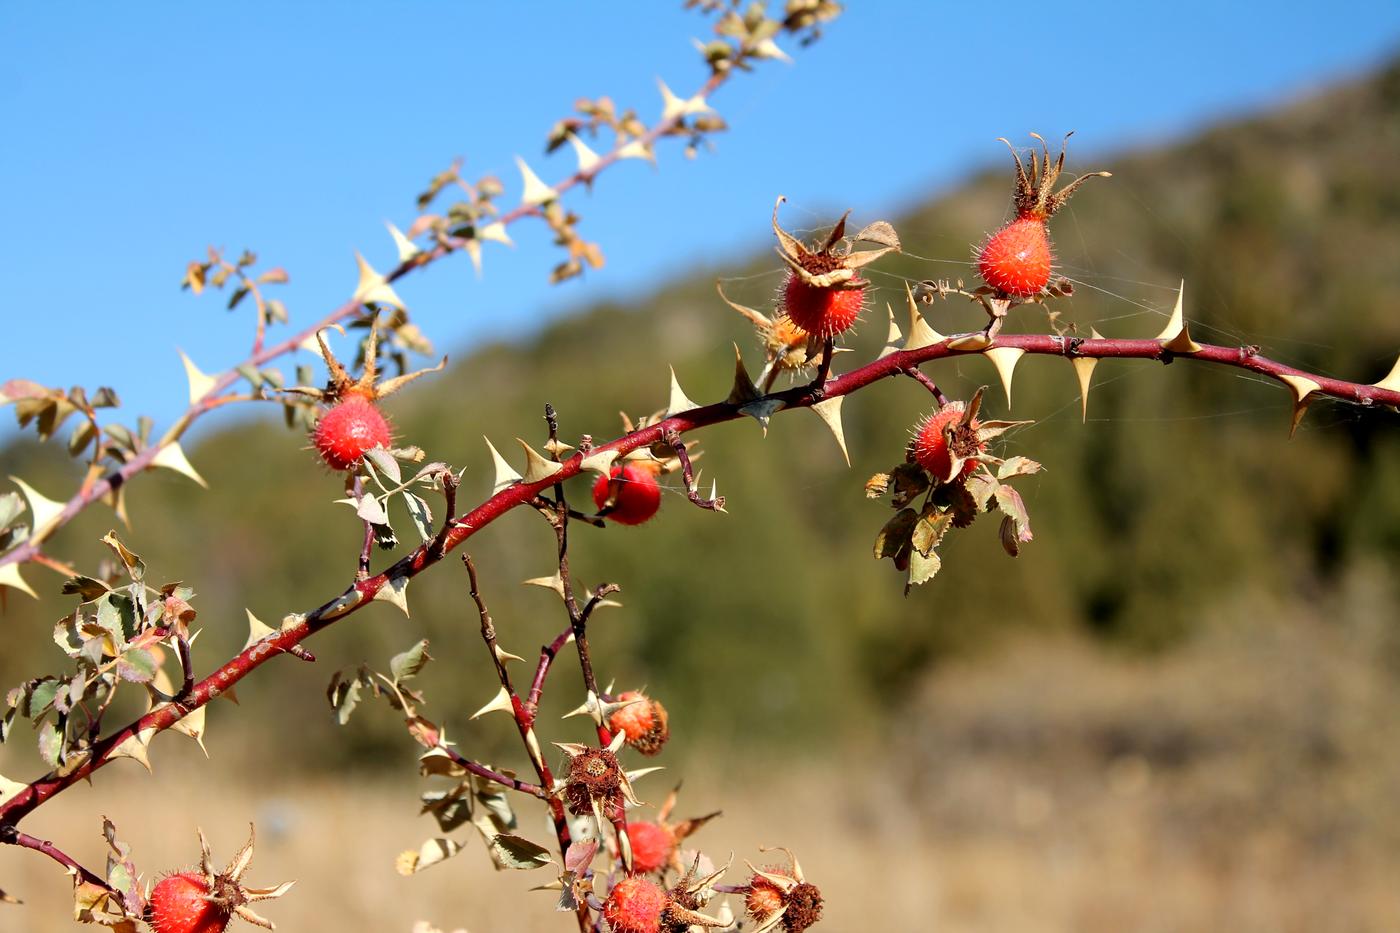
(893, 338)
(405, 246)
(1005, 360)
(920, 334)
(43, 510)
(536, 466)
(373, 287)
(9, 788)
(1084, 371)
(555, 583)
(473, 248)
(587, 158)
(829, 410)
(1392, 381)
(1303, 389)
(505, 473)
(136, 747)
(536, 192)
(600, 462)
(192, 725)
(10, 576)
(395, 592)
(743, 390)
(674, 108)
(500, 703)
(172, 457)
(977, 342)
(257, 630)
(200, 382)
(636, 150)
(679, 401)
(1175, 336)
(495, 232)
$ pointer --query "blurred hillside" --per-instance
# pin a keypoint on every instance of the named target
(1181, 495)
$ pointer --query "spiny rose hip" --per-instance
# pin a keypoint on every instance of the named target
(1016, 259)
(177, 905)
(204, 901)
(643, 720)
(632, 492)
(824, 293)
(778, 895)
(349, 430)
(825, 312)
(652, 846)
(946, 434)
(352, 425)
(635, 905)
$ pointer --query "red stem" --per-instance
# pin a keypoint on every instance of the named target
(423, 557)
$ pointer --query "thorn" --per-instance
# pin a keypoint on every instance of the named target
(43, 510)
(744, 390)
(373, 287)
(1303, 389)
(1391, 381)
(600, 462)
(1005, 360)
(536, 192)
(587, 158)
(505, 473)
(405, 246)
(500, 703)
(394, 592)
(495, 232)
(971, 342)
(200, 383)
(172, 457)
(829, 410)
(1175, 337)
(9, 576)
(536, 466)
(893, 338)
(920, 334)
(679, 401)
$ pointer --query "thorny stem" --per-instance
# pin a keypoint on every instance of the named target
(547, 655)
(298, 629)
(524, 719)
(688, 475)
(9, 835)
(215, 396)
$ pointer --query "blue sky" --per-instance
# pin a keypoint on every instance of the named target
(139, 133)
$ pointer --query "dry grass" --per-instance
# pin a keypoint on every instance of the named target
(1245, 783)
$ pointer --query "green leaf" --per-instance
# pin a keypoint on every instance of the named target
(407, 665)
(86, 587)
(344, 695)
(894, 537)
(517, 852)
(137, 666)
(420, 513)
(922, 568)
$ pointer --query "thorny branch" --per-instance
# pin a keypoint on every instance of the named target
(298, 628)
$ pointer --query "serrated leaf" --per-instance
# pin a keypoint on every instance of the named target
(406, 665)
(344, 695)
(1019, 532)
(385, 463)
(50, 744)
(429, 854)
(922, 568)
(136, 666)
(451, 809)
(1017, 466)
(421, 515)
(517, 852)
(135, 566)
(894, 537)
(929, 530)
(369, 508)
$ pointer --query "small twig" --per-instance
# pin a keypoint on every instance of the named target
(688, 474)
(450, 482)
(480, 770)
(818, 385)
(182, 648)
(362, 571)
(547, 655)
(10, 835)
(918, 375)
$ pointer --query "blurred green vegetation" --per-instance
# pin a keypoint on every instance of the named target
(772, 623)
